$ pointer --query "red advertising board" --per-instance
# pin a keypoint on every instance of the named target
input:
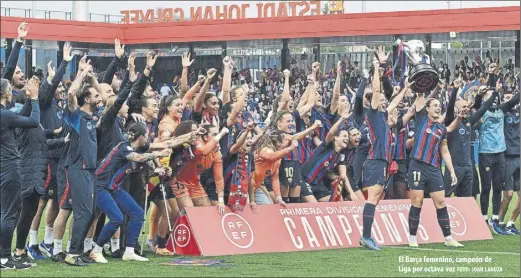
(305, 227)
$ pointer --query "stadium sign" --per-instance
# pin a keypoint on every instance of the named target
(263, 10)
(304, 227)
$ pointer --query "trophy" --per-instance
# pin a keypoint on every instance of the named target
(425, 78)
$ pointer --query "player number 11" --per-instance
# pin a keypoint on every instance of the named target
(416, 175)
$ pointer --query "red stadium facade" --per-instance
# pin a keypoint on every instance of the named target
(366, 24)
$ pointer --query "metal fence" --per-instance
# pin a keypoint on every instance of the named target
(46, 14)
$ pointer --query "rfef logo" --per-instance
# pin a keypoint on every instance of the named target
(182, 235)
(458, 225)
(237, 230)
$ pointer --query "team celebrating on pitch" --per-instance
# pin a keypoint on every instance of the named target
(107, 150)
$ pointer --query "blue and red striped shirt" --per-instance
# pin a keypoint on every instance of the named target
(113, 168)
(323, 160)
(427, 139)
(400, 152)
(380, 136)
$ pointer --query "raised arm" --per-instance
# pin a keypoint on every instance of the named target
(302, 134)
(475, 117)
(398, 99)
(195, 88)
(284, 98)
(311, 97)
(46, 92)
(9, 69)
(238, 107)
(184, 76)
(84, 69)
(449, 118)
(113, 111)
(507, 106)
(375, 100)
(358, 107)
(336, 88)
(199, 100)
(144, 157)
(119, 61)
(331, 134)
(377, 89)
(227, 78)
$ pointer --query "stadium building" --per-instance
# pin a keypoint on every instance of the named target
(263, 42)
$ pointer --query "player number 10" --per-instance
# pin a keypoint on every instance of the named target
(289, 172)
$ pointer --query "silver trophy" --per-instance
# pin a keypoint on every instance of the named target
(425, 78)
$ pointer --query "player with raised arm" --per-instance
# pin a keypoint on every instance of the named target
(430, 140)
(323, 160)
(380, 153)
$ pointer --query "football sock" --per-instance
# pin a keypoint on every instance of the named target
(414, 220)
(443, 221)
(368, 219)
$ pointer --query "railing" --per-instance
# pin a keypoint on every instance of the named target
(46, 14)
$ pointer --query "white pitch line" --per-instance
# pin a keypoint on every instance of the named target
(455, 251)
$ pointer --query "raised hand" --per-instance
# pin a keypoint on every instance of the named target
(186, 60)
(376, 64)
(201, 79)
(458, 82)
(382, 56)
(84, 64)
(317, 123)
(211, 73)
(339, 67)
(151, 59)
(119, 50)
(493, 68)
(32, 87)
(67, 49)
(287, 73)
(228, 62)
(51, 71)
(23, 29)
(132, 74)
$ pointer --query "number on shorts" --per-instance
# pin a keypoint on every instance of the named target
(416, 176)
(180, 186)
(289, 172)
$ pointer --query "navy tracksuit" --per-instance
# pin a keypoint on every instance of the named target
(81, 163)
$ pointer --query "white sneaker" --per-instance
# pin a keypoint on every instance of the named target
(98, 257)
(134, 257)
